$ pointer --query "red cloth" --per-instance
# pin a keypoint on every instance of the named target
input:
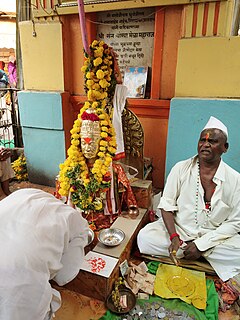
(227, 296)
(122, 178)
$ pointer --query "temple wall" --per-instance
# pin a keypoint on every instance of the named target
(208, 67)
(155, 146)
(44, 126)
(188, 116)
(42, 55)
(43, 134)
(202, 64)
(45, 111)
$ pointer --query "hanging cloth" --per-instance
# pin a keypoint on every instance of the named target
(119, 101)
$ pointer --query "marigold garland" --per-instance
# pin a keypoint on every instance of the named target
(20, 168)
(87, 185)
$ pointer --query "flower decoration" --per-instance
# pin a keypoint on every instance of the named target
(85, 184)
(20, 168)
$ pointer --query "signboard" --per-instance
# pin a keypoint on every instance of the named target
(130, 33)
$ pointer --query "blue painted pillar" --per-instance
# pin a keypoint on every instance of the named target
(41, 117)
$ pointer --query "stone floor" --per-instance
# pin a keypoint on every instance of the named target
(14, 185)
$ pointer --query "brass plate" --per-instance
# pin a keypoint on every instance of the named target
(131, 301)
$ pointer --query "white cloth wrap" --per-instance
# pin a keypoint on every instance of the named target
(41, 239)
(119, 101)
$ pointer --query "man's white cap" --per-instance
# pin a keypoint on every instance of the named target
(214, 123)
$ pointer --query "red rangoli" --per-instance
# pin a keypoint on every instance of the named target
(97, 264)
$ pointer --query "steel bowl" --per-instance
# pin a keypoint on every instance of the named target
(111, 237)
(90, 236)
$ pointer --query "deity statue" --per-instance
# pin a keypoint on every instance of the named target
(87, 176)
(90, 134)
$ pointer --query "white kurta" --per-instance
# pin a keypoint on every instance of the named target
(41, 239)
(216, 232)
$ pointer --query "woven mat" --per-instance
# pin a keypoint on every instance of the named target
(195, 265)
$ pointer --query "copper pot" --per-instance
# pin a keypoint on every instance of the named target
(133, 211)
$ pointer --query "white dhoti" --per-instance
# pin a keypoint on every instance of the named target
(153, 239)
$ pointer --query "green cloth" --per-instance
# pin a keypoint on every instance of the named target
(210, 313)
(153, 266)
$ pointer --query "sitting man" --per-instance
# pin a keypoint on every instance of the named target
(6, 171)
(41, 239)
(200, 208)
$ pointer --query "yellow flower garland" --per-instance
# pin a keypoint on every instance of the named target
(84, 184)
(20, 168)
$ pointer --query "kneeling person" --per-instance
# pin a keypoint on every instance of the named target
(41, 239)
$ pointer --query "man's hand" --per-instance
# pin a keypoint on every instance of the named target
(175, 245)
(173, 248)
(5, 153)
(191, 251)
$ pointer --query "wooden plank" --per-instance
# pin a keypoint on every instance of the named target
(216, 18)
(148, 108)
(195, 19)
(189, 264)
(151, 112)
(205, 19)
(224, 23)
(72, 8)
(93, 285)
(142, 190)
(209, 31)
(157, 53)
(188, 20)
(91, 27)
(200, 20)
(130, 227)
